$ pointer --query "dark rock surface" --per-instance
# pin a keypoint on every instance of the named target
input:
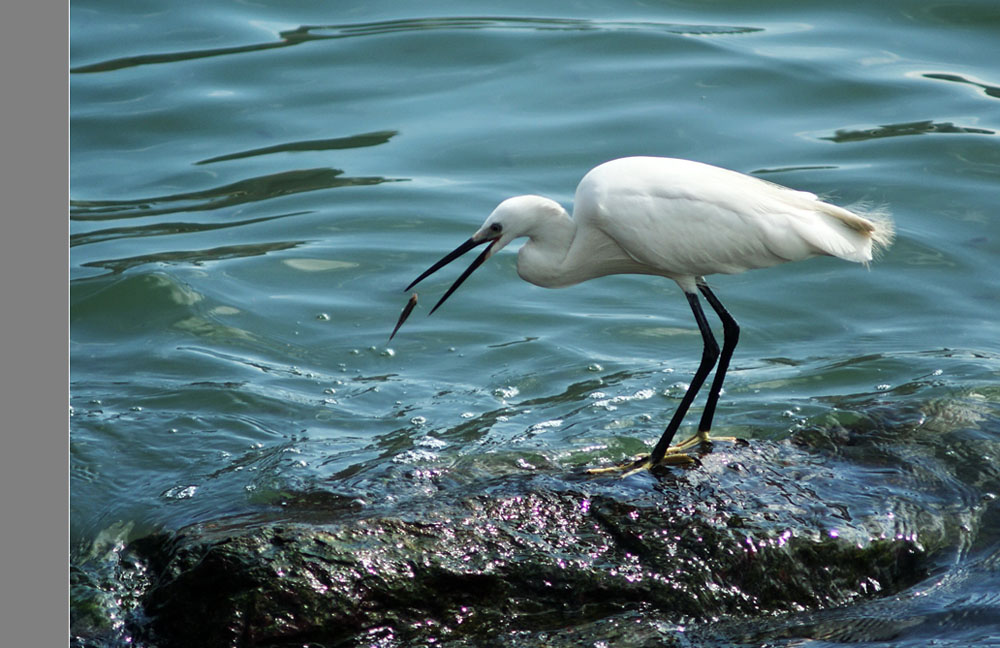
(537, 558)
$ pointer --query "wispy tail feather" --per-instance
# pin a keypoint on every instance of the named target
(883, 231)
(857, 234)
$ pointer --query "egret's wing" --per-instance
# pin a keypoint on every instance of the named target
(690, 219)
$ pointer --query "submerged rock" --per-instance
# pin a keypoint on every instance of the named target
(537, 559)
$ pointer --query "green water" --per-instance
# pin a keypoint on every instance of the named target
(254, 184)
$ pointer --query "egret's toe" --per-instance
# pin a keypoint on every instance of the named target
(645, 463)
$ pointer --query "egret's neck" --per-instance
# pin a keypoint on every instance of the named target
(541, 260)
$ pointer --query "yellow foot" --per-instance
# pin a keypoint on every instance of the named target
(674, 456)
(700, 437)
(645, 463)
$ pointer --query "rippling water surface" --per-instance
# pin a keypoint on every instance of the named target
(253, 185)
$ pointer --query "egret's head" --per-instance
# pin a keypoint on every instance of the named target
(516, 217)
(513, 218)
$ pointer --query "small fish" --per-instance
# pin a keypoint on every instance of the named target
(406, 313)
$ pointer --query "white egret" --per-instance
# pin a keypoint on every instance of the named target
(677, 219)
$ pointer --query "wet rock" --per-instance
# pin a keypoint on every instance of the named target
(538, 559)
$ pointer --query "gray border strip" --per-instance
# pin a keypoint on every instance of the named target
(34, 498)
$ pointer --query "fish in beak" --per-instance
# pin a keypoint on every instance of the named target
(451, 256)
(489, 236)
(405, 314)
(457, 252)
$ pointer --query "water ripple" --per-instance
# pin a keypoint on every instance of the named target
(117, 266)
(254, 189)
(907, 128)
(307, 33)
(988, 90)
(163, 229)
(354, 141)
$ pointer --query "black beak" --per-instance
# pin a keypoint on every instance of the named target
(459, 251)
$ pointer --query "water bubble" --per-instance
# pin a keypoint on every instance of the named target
(323, 317)
(180, 492)
(430, 442)
(414, 456)
(537, 427)
(506, 392)
(595, 367)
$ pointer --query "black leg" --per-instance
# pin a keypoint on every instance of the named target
(730, 336)
(708, 357)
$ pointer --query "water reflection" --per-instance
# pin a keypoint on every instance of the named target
(237, 193)
(117, 266)
(322, 32)
(907, 128)
(164, 229)
(989, 90)
(353, 141)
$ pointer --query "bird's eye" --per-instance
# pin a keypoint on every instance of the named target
(496, 227)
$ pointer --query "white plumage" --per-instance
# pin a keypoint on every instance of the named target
(677, 219)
